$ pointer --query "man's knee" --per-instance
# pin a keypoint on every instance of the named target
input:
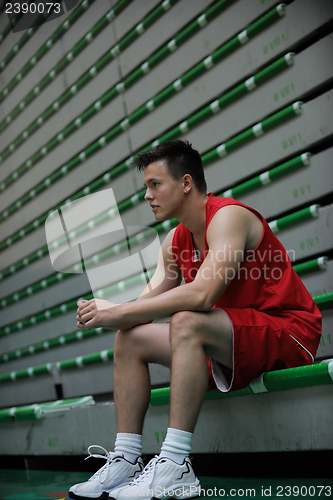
(183, 326)
(119, 344)
(124, 343)
(132, 344)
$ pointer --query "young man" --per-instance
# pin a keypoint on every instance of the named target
(242, 311)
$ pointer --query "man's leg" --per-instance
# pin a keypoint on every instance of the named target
(193, 337)
(133, 350)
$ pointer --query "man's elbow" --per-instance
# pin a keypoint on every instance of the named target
(205, 303)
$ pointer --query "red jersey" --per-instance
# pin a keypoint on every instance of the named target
(265, 281)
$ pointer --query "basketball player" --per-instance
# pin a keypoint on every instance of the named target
(241, 312)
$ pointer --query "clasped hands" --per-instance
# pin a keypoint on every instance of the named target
(95, 313)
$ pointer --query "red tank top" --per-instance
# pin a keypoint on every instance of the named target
(265, 280)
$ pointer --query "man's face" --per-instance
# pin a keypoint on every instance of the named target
(164, 193)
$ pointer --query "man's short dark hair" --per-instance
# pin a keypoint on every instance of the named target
(181, 159)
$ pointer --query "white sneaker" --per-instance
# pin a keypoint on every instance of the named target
(162, 478)
(115, 473)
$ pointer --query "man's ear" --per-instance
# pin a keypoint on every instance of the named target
(188, 183)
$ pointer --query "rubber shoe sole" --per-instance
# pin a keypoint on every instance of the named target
(103, 496)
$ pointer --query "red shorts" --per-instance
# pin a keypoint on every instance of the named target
(261, 343)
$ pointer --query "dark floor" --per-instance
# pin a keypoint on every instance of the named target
(47, 485)
(287, 475)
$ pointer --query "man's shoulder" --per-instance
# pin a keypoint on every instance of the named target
(229, 211)
(230, 220)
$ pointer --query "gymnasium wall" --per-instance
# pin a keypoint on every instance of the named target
(248, 82)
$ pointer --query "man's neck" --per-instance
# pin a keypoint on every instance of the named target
(194, 214)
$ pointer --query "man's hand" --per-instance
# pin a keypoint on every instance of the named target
(95, 313)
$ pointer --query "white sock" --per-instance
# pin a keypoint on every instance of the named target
(128, 445)
(177, 445)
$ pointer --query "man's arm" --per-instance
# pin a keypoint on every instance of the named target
(227, 238)
(166, 276)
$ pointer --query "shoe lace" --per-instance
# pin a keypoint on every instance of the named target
(149, 470)
(108, 456)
